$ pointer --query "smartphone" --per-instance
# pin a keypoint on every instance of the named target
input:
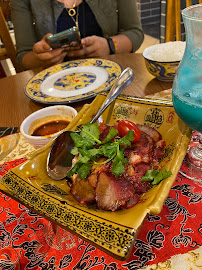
(69, 39)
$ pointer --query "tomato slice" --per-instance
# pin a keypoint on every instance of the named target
(125, 125)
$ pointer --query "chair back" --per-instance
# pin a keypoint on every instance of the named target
(173, 19)
(9, 51)
(5, 6)
(2, 71)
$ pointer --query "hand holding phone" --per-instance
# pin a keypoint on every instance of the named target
(67, 40)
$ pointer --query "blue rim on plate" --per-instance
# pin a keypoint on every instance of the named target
(72, 81)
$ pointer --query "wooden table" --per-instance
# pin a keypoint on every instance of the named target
(165, 236)
(15, 105)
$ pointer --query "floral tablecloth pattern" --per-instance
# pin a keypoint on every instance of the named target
(29, 241)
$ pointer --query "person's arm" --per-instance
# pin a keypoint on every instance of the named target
(95, 46)
(31, 52)
(129, 22)
(42, 56)
(122, 43)
(25, 35)
(129, 35)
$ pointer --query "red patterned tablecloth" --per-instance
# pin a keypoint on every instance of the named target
(29, 241)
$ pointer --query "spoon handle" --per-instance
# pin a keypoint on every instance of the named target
(124, 79)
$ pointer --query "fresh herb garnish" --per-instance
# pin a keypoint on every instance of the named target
(156, 176)
(88, 147)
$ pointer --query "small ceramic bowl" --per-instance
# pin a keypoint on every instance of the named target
(162, 60)
(49, 115)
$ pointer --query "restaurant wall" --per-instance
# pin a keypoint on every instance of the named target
(150, 15)
(153, 17)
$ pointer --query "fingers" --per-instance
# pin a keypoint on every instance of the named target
(92, 46)
(42, 46)
(82, 53)
(46, 55)
(44, 51)
(53, 60)
(88, 41)
(88, 48)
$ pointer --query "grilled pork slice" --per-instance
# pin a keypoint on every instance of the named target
(135, 173)
(113, 193)
(110, 192)
(104, 130)
(147, 150)
(95, 170)
(140, 151)
(145, 144)
(82, 191)
(158, 153)
(150, 131)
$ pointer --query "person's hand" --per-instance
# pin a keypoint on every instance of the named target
(46, 55)
(92, 46)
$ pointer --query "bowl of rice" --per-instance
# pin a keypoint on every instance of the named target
(162, 60)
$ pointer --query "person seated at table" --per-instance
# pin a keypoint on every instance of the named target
(97, 21)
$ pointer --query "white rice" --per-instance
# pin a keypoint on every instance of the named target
(165, 52)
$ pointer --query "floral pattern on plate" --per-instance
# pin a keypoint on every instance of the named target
(74, 81)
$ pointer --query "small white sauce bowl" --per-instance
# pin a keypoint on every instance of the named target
(42, 116)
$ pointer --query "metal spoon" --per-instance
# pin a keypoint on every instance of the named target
(60, 158)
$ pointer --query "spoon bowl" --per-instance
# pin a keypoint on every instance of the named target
(60, 158)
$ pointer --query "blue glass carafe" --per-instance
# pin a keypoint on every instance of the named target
(187, 85)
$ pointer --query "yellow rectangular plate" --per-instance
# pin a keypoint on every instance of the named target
(113, 232)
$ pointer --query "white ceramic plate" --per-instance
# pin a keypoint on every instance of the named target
(73, 81)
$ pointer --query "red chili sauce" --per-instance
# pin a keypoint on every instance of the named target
(50, 128)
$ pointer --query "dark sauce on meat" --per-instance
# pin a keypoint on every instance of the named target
(50, 128)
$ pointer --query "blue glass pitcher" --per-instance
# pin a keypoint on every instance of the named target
(187, 85)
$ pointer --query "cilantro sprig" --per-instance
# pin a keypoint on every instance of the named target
(156, 176)
(88, 147)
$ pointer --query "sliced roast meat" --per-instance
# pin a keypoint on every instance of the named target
(110, 192)
(150, 131)
(132, 201)
(82, 191)
(140, 151)
(95, 170)
(144, 145)
(135, 173)
(113, 193)
(104, 132)
(134, 158)
(161, 144)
